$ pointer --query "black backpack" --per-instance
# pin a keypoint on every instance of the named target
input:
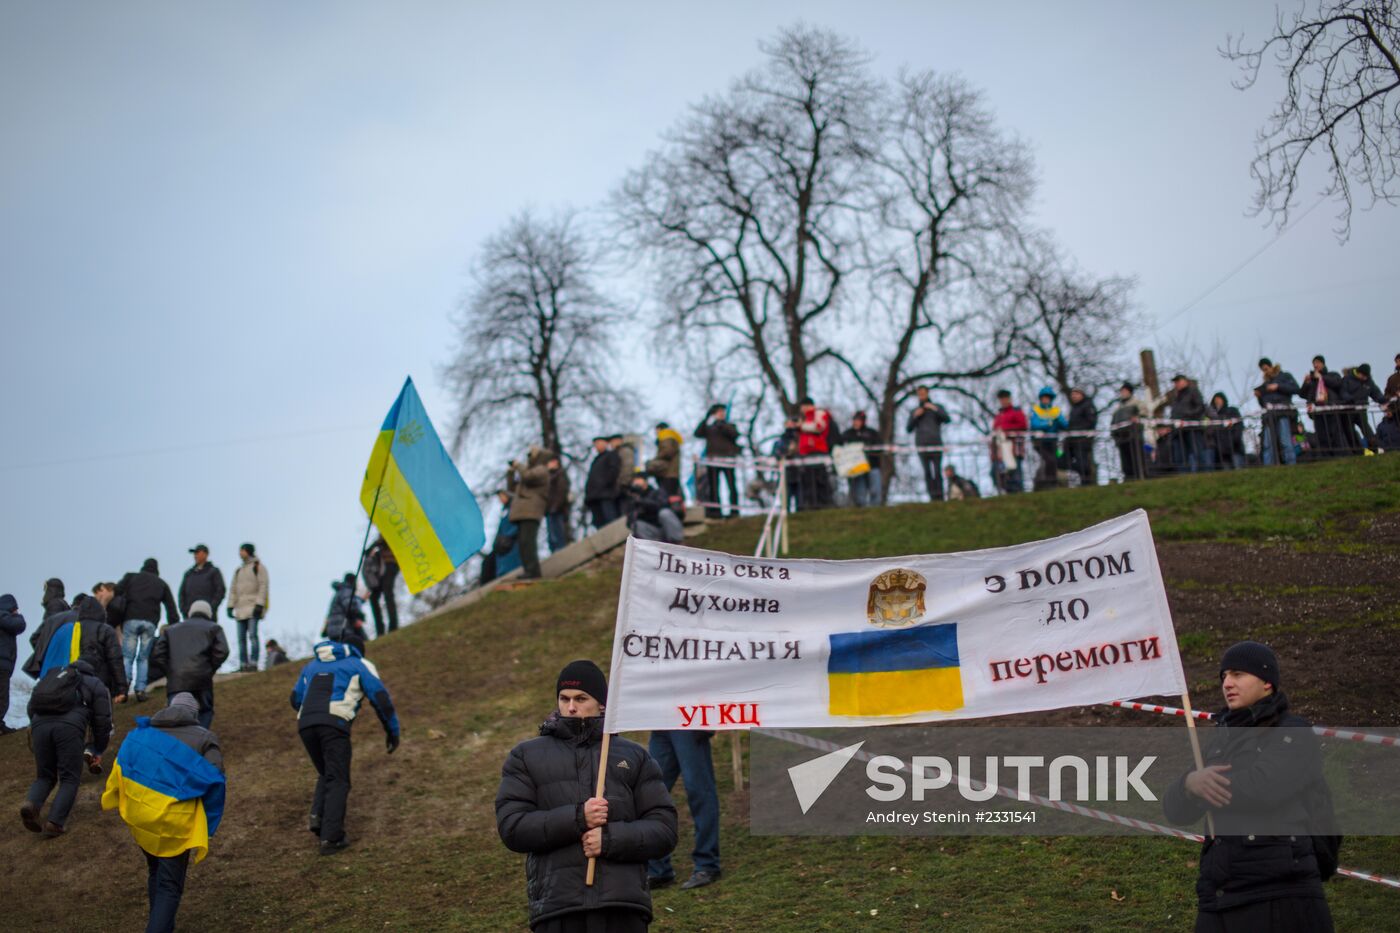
(57, 692)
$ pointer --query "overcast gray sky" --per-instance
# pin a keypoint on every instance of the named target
(228, 231)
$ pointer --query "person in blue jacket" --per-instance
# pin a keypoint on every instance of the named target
(327, 699)
(1048, 421)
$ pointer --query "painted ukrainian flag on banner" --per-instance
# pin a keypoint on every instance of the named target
(170, 797)
(417, 499)
(895, 673)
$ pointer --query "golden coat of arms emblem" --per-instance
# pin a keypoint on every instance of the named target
(896, 599)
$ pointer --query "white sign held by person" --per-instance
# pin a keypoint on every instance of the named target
(717, 641)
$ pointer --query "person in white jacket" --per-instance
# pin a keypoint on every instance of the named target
(247, 604)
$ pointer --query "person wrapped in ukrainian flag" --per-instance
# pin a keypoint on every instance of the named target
(168, 785)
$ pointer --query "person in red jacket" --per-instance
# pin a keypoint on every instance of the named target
(814, 440)
(1009, 429)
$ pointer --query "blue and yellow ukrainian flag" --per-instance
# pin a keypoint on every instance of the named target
(169, 796)
(415, 496)
(895, 673)
(65, 645)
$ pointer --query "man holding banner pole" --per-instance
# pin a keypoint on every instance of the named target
(589, 809)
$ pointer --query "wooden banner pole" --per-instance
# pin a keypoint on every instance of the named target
(737, 750)
(1195, 747)
(598, 792)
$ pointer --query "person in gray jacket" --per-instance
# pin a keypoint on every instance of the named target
(546, 809)
(188, 654)
(926, 424)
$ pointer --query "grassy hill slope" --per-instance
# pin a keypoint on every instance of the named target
(1304, 558)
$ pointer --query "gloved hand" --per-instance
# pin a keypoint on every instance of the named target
(257, 613)
(230, 612)
(391, 742)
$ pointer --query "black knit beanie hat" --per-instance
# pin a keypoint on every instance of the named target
(586, 676)
(1252, 658)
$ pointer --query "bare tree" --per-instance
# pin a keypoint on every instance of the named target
(1070, 326)
(534, 337)
(1341, 64)
(954, 191)
(745, 214)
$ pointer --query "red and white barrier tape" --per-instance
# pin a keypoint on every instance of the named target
(797, 738)
(1370, 738)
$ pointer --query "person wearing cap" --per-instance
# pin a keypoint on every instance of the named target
(59, 720)
(168, 786)
(202, 581)
(556, 506)
(1126, 429)
(1275, 395)
(926, 424)
(1358, 390)
(327, 699)
(721, 437)
(866, 488)
(247, 604)
(1261, 766)
(600, 488)
(188, 654)
(1187, 440)
(143, 593)
(546, 809)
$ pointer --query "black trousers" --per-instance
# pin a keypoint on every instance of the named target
(933, 474)
(329, 749)
(5, 673)
(604, 512)
(529, 538)
(1080, 451)
(386, 590)
(58, 759)
(728, 473)
(598, 920)
(1279, 915)
(165, 885)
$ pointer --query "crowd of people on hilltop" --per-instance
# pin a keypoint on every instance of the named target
(1178, 431)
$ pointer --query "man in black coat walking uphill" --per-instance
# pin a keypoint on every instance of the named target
(1262, 765)
(545, 808)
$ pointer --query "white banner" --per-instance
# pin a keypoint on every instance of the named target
(719, 641)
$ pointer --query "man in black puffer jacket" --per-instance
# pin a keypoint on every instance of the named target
(57, 740)
(188, 654)
(1251, 881)
(11, 627)
(546, 808)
